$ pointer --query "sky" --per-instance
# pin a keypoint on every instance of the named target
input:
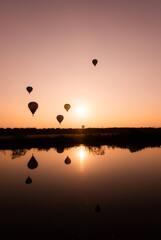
(50, 46)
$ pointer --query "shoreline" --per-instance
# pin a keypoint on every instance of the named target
(131, 138)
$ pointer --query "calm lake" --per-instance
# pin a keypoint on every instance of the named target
(81, 191)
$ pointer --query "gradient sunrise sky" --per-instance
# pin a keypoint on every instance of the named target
(50, 45)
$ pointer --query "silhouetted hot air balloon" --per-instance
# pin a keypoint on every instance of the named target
(33, 106)
(29, 89)
(28, 180)
(67, 160)
(60, 118)
(67, 107)
(94, 61)
(32, 164)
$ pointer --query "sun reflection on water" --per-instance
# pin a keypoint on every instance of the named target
(82, 155)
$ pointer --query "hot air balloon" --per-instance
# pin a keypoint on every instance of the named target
(29, 89)
(28, 180)
(67, 160)
(33, 106)
(67, 107)
(94, 61)
(60, 118)
(32, 164)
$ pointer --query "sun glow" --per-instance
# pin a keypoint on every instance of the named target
(81, 111)
(82, 154)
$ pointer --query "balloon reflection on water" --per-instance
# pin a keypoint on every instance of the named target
(32, 164)
(67, 160)
(28, 180)
(81, 153)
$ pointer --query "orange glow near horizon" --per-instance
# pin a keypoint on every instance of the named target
(50, 46)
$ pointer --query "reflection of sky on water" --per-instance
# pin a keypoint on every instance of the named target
(107, 164)
(108, 184)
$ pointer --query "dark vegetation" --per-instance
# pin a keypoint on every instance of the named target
(133, 138)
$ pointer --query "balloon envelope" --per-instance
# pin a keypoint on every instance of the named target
(67, 107)
(32, 164)
(67, 160)
(28, 180)
(94, 61)
(60, 118)
(29, 89)
(33, 106)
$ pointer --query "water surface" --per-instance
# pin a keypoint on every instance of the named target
(80, 191)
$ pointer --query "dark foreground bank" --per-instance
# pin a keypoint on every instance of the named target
(132, 138)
